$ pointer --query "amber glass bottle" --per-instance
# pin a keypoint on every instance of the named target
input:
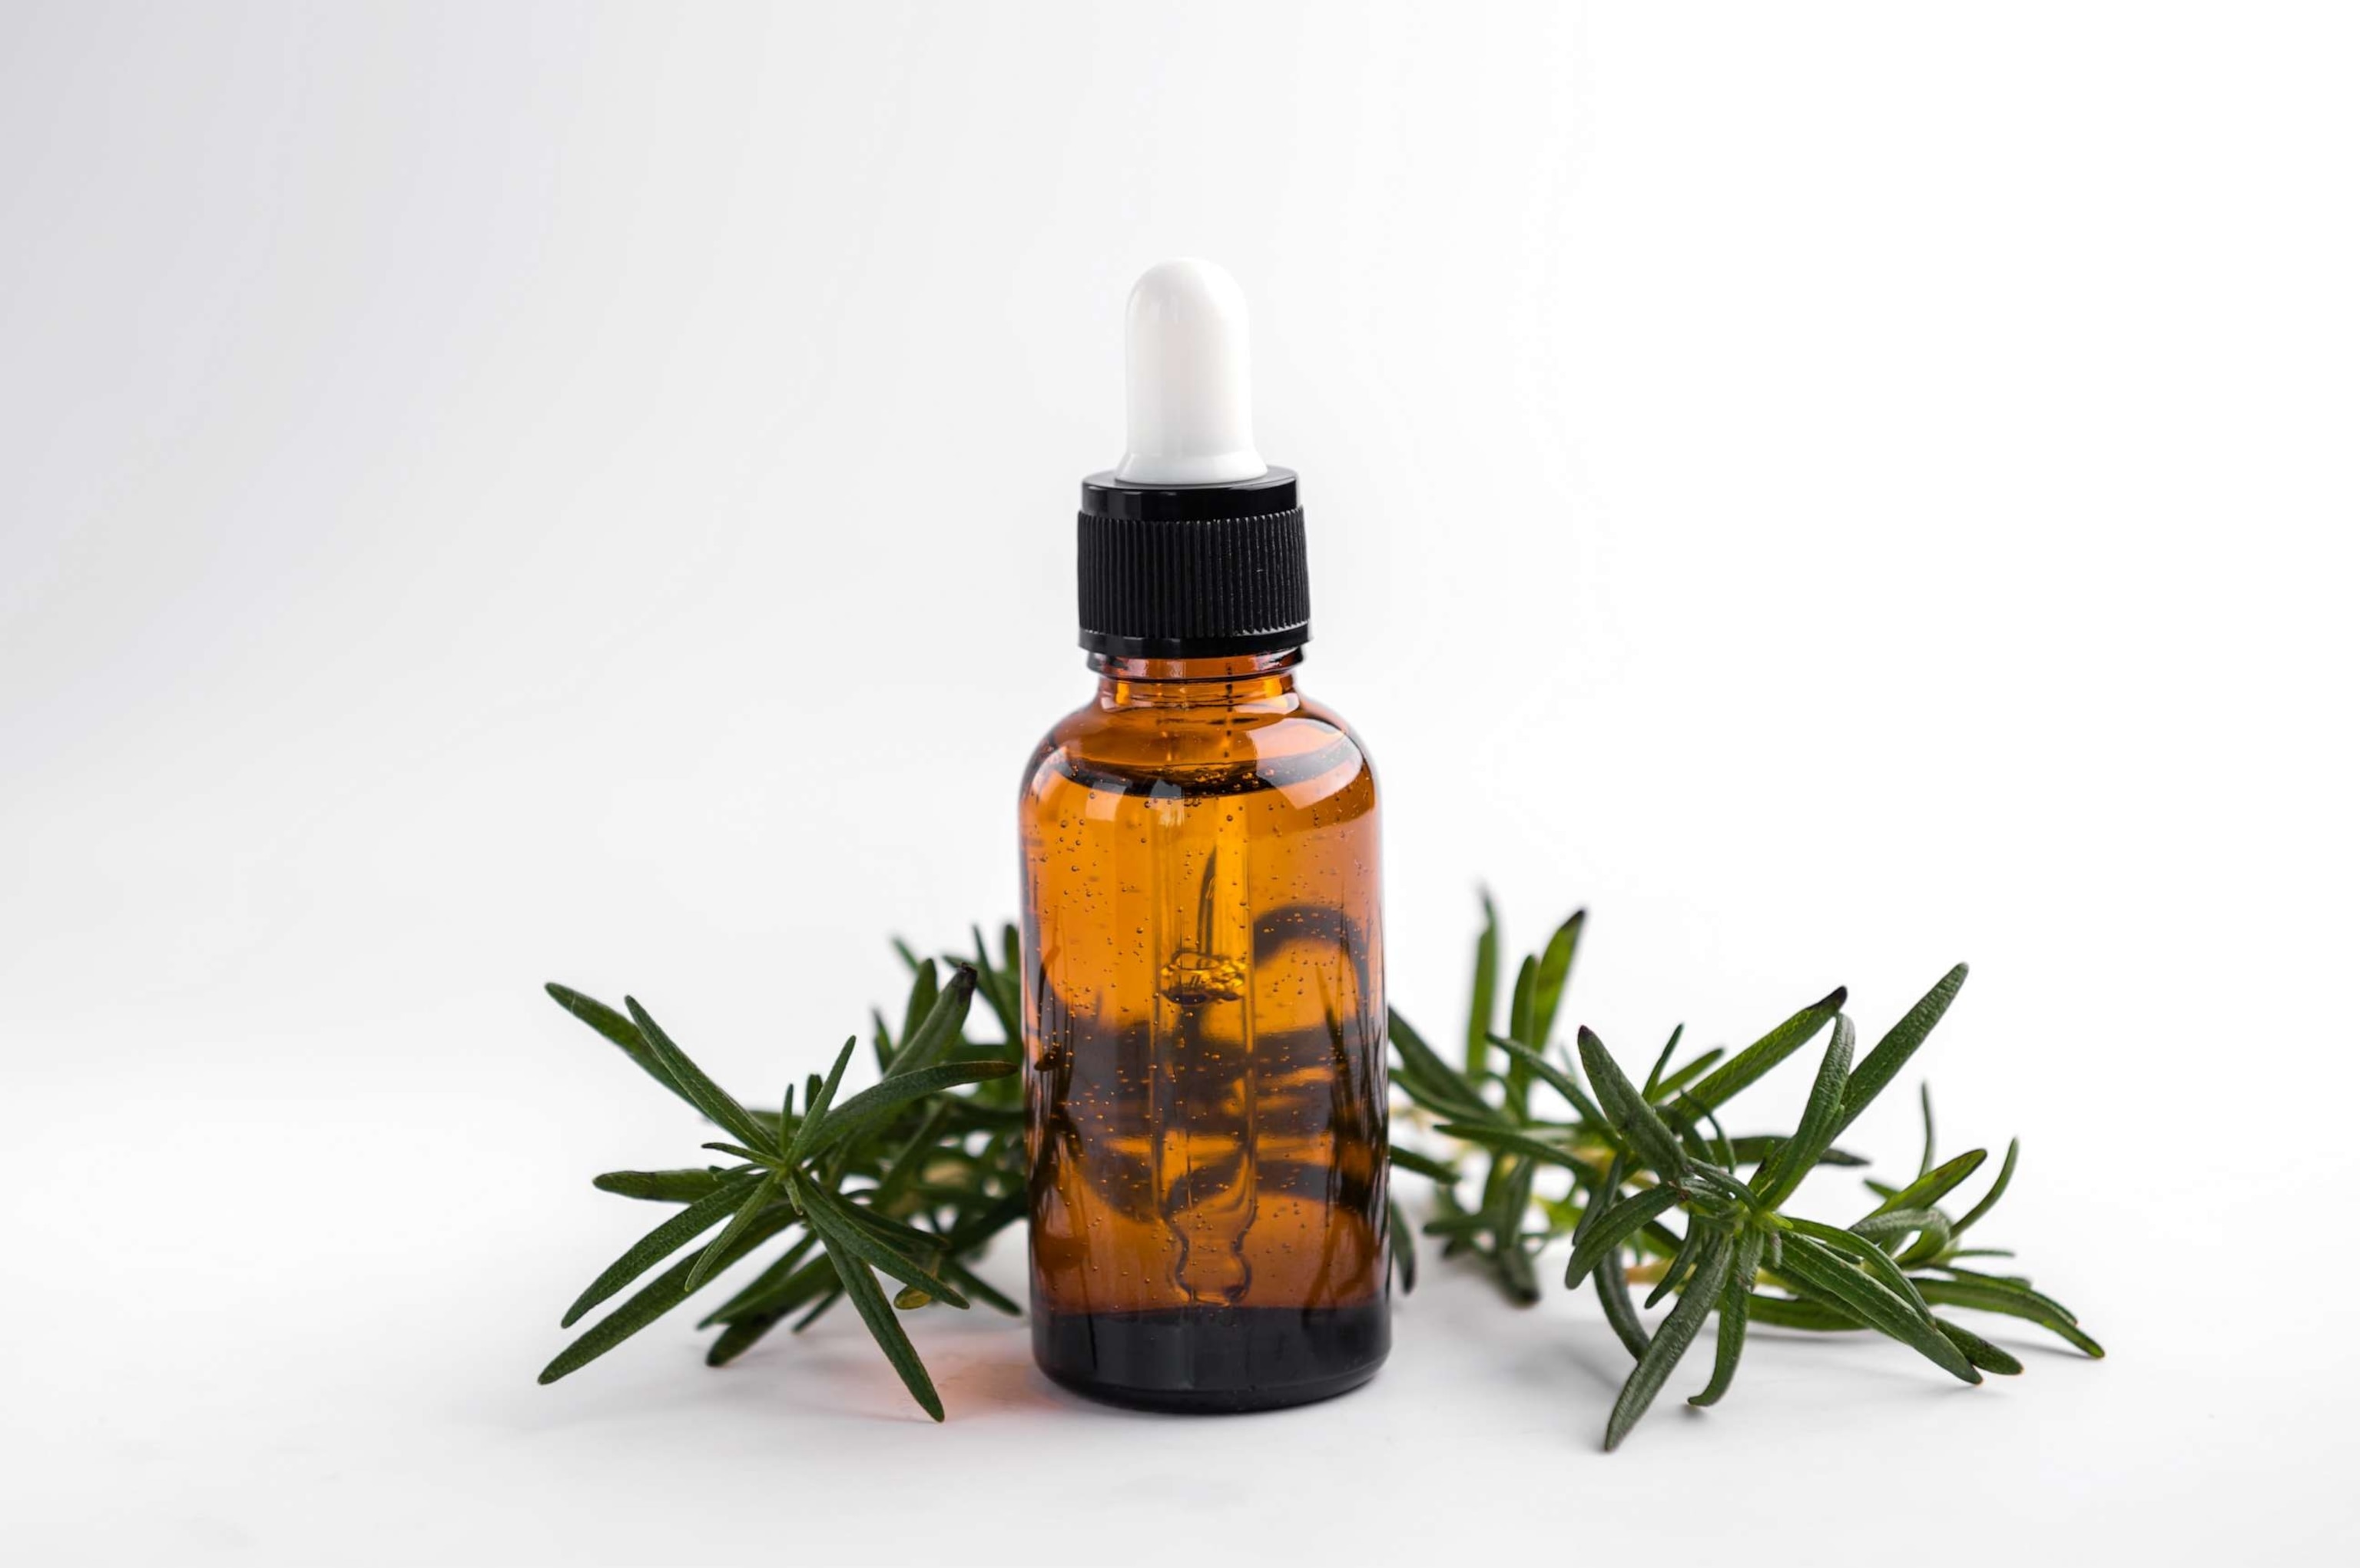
(1206, 1019)
(1203, 977)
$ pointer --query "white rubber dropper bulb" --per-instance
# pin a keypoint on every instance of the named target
(1186, 369)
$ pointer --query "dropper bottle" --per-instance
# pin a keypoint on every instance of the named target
(1204, 970)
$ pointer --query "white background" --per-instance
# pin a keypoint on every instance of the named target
(494, 493)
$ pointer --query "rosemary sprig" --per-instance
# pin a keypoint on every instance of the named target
(910, 1177)
(913, 1177)
(1639, 1157)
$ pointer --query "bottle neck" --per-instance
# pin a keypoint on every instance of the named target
(1258, 683)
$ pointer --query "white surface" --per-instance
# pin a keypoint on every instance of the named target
(491, 494)
(1187, 378)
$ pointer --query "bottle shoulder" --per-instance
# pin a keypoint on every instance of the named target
(1306, 749)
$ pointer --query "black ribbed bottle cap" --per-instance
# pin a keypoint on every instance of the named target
(1193, 571)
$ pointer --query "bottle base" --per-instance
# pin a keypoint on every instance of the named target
(1214, 1360)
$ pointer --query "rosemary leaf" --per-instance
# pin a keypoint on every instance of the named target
(1754, 1148)
(1507, 1140)
(816, 1104)
(1821, 1274)
(1555, 1076)
(1986, 1297)
(1931, 1188)
(1425, 1079)
(909, 1159)
(843, 1232)
(1671, 1342)
(1736, 1297)
(710, 1258)
(1482, 1007)
(925, 989)
(698, 1089)
(1423, 1165)
(1652, 1088)
(1517, 1081)
(1688, 1072)
(762, 1291)
(1556, 967)
(1992, 1197)
(1404, 1247)
(1900, 1043)
(660, 1186)
(1750, 1064)
(617, 1029)
(1785, 1169)
(1813, 1317)
(653, 1300)
(2015, 1286)
(1870, 1257)
(1613, 1228)
(1515, 1267)
(662, 1242)
(1981, 1353)
(924, 1044)
(740, 1337)
(1894, 1223)
(999, 995)
(1632, 1116)
(1614, 1297)
(1692, 1248)
(868, 1108)
(870, 1301)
